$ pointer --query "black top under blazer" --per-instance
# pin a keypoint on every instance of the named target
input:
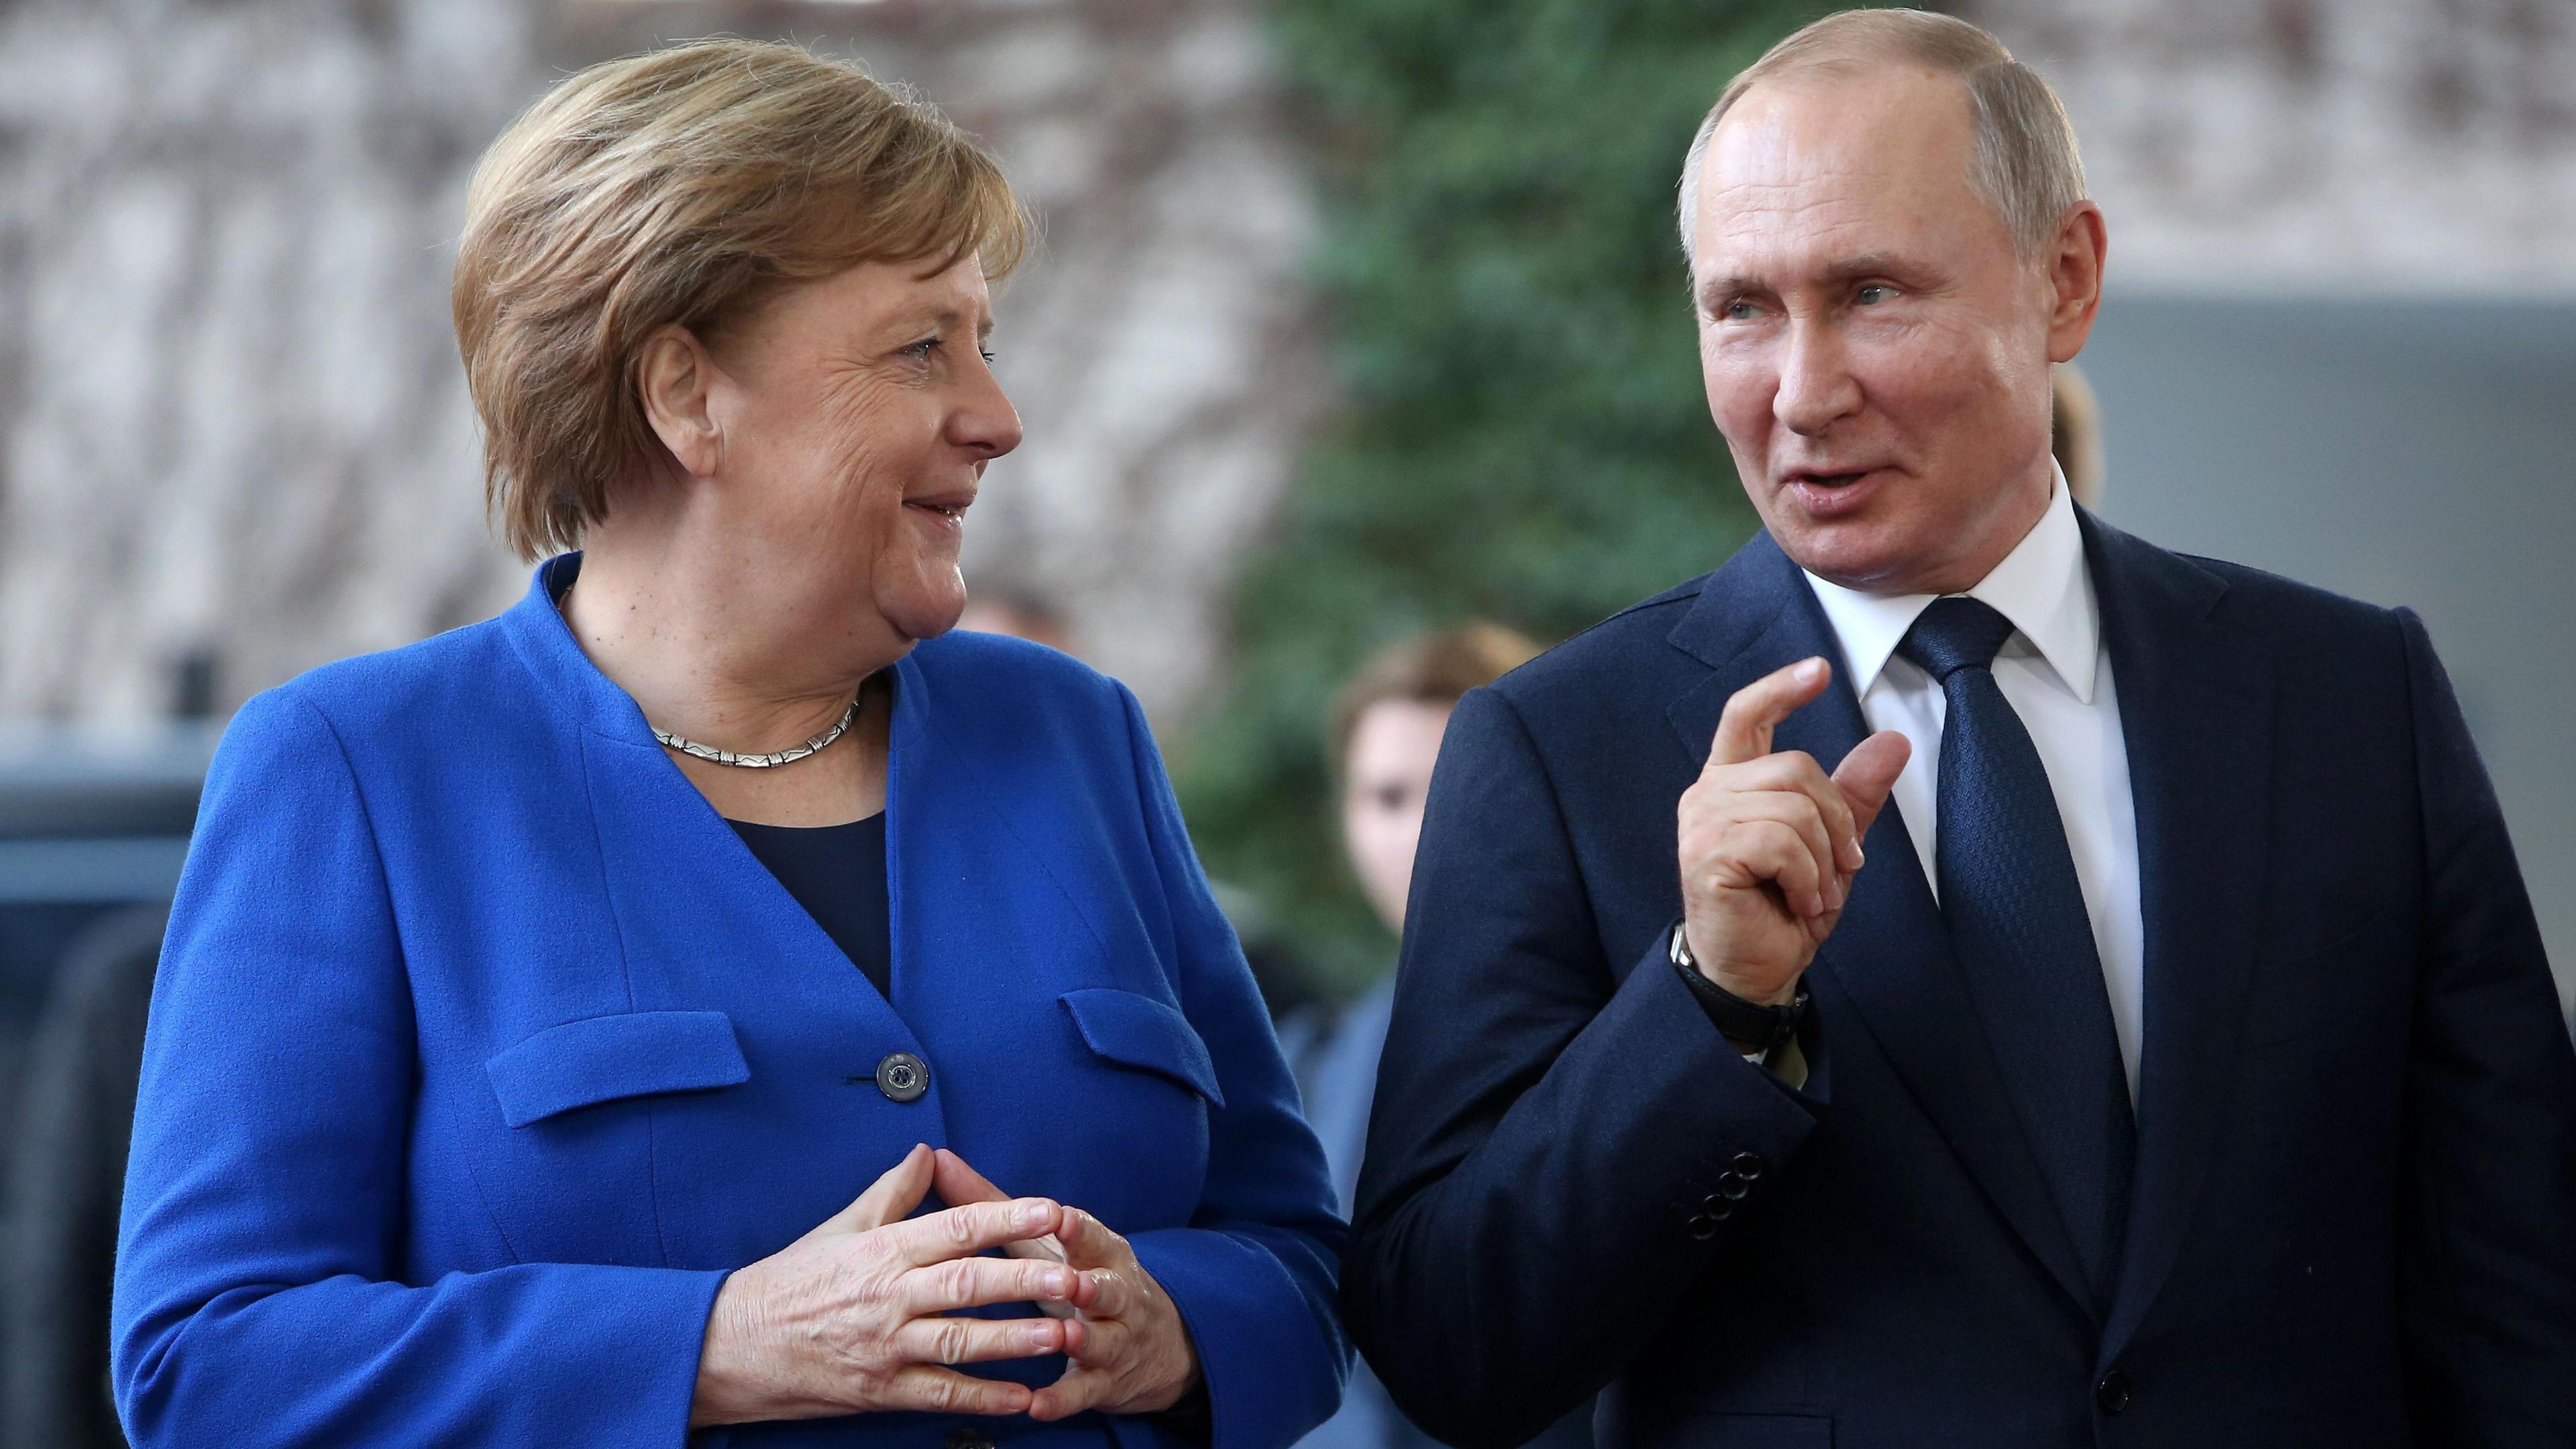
(2355, 1211)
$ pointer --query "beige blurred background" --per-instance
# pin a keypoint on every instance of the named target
(232, 427)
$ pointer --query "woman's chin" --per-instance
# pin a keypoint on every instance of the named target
(926, 613)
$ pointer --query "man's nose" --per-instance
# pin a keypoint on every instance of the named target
(1816, 383)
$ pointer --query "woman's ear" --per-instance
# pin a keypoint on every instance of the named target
(676, 376)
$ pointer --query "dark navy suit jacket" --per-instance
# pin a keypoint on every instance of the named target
(482, 1050)
(2355, 1212)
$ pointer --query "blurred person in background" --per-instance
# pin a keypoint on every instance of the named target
(2075, 433)
(2176, 1062)
(1386, 730)
(1021, 613)
(564, 1020)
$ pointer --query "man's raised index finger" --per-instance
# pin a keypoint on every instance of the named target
(1744, 731)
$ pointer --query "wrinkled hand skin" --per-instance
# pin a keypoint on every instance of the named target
(1769, 843)
(1130, 1352)
(855, 1316)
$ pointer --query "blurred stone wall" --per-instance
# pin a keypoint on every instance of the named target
(2402, 148)
(230, 414)
(234, 441)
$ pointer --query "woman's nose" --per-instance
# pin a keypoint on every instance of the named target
(987, 423)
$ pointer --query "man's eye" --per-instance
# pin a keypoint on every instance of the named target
(1737, 311)
(1873, 294)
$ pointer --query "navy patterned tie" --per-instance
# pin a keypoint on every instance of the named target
(2018, 924)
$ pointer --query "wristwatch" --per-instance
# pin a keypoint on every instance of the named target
(1754, 1029)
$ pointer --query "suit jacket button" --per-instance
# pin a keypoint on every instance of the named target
(1732, 1186)
(2114, 1392)
(903, 1076)
(1748, 1165)
(1704, 1226)
(969, 1439)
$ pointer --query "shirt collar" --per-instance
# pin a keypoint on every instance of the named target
(2041, 586)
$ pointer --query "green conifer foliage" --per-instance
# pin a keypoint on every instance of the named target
(1522, 434)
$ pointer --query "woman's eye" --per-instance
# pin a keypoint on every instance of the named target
(984, 353)
(921, 350)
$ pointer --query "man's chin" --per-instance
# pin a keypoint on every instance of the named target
(1850, 552)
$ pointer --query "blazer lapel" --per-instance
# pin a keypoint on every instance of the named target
(1888, 965)
(2196, 714)
(697, 913)
(692, 904)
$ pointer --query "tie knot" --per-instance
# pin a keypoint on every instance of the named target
(1955, 634)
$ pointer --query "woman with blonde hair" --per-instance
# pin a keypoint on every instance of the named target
(565, 1021)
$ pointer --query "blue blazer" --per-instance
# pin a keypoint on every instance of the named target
(483, 1049)
(2355, 1211)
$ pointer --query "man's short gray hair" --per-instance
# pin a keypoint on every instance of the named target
(2026, 166)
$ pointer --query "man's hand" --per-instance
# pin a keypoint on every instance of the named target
(1769, 843)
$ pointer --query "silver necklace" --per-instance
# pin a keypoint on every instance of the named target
(761, 762)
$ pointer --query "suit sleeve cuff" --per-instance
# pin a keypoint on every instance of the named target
(639, 1349)
(1269, 1370)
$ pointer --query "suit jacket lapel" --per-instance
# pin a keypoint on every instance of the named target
(2196, 714)
(1887, 968)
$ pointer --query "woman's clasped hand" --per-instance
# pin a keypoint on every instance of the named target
(860, 1314)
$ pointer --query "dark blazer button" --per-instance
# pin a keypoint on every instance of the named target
(2113, 1393)
(1733, 1186)
(903, 1077)
(1704, 1226)
(969, 1439)
(1748, 1165)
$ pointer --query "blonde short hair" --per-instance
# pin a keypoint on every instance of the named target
(2025, 166)
(682, 187)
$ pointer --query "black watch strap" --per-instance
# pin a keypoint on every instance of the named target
(1750, 1026)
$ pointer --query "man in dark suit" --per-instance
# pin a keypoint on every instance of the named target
(2141, 1036)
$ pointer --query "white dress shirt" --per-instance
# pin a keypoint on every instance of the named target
(2056, 676)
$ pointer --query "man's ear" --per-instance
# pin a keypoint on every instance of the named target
(2074, 266)
(675, 376)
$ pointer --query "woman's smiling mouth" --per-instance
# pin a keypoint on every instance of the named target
(948, 508)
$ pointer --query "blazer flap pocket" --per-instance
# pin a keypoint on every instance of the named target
(1138, 1031)
(1766, 1431)
(581, 1063)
